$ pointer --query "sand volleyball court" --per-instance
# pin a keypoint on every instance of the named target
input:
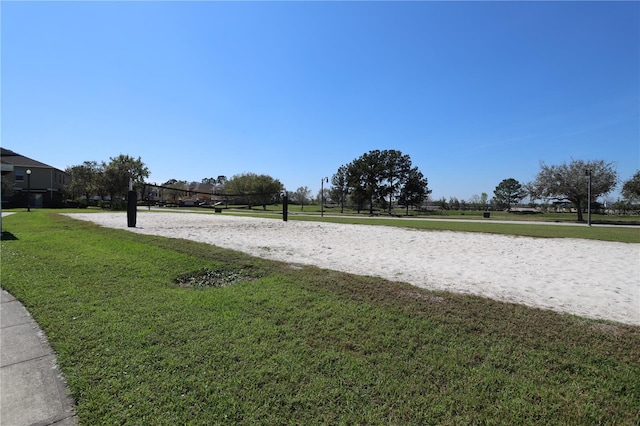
(593, 279)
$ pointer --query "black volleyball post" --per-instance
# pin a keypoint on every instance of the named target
(132, 206)
(285, 206)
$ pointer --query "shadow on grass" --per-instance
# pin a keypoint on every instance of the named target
(616, 222)
(8, 236)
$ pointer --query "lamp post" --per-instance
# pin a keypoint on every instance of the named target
(322, 181)
(588, 173)
(28, 190)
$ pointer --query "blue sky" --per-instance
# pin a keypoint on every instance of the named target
(473, 92)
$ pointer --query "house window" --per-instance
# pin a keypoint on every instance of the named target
(19, 175)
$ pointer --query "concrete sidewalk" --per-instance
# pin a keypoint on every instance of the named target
(32, 390)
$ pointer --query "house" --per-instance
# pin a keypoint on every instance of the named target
(198, 194)
(43, 184)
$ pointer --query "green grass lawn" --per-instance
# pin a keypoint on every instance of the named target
(256, 341)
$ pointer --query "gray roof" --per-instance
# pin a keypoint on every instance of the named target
(9, 157)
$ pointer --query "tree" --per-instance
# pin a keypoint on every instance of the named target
(364, 176)
(415, 190)
(254, 188)
(479, 202)
(339, 187)
(442, 202)
(484, 200)
(84, 179)
(324, 195)
(507, 192)
(454, 203)
(475, 202)
(215, 182)
(378, 177)
(239, 187)
(396, 173)
(568, 182)
(359, 197)
(177, 188)
(120, 171)
(301, 196)
(266, 190)
(631, 188)
(529, 190)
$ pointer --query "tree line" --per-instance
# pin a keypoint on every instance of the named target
(107, 180)
(247, 188)
(110, 181)
(378, 179)
(570, 183)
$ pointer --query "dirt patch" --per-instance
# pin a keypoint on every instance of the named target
(422, 296)
(206, 278)
(611, 329)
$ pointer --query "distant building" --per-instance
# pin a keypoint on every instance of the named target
(44, 183)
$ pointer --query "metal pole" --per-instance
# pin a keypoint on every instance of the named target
(322, 181)
(589, 201)
(322, 197)
(28, 190)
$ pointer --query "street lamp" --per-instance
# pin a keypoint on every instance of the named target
(587, 172)
(28, 190)
(322, 181)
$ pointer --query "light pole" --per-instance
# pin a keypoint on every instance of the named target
(322, 181)
(28, 190)
(588, 173)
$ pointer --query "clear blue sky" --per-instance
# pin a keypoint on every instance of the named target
(473, 92)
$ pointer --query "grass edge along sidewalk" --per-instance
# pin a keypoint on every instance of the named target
(284, 344)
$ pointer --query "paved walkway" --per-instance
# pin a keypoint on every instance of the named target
(32, 390)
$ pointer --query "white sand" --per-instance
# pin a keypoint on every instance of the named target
(587, 278)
